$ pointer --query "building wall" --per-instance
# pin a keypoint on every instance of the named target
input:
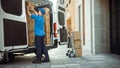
(70, 13)
(83, 24)
(102, 28)
(96, 19)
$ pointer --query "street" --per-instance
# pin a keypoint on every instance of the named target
(60, 60)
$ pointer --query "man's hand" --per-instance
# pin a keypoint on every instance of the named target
(27, 8)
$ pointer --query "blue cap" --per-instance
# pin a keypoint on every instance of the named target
(42, 10)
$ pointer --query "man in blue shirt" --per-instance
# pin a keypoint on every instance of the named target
(39, 34)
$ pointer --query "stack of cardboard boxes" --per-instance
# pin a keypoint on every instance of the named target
(47, 26)
(30, 25)
(77, 43)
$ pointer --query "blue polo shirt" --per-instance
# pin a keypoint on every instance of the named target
(38, 25)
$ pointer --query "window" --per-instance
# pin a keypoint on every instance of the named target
(12, 6)
(62, 2)
(69, 1)
(61, 18)
(14, 32)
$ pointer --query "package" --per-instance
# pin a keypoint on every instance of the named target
(47, 39)
(47, 14)
(29, 4)
(47, 26)
(47, 20)
(30, 24)
(78, 52)
(31, 39)
(47, 10)
(77, 43)
(76, 35)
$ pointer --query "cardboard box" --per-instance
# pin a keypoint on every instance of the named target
(76, 35)
(30, 4)
(47, 42)
(31, 39)
(30, 24)
(47, 26)
(47, 39)
(47, 11)
(47, 17)
(69, 29)
(77, 44)
(78, 52)
(47, 20)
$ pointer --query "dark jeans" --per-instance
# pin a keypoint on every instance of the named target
(69, 42)
(41, 48)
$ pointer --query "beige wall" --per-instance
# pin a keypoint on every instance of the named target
(70, 13)
(97, 30)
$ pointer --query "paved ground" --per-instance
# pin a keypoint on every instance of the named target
(60, 60)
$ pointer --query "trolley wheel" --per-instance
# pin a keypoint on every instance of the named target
(68, 52)
(71, 55)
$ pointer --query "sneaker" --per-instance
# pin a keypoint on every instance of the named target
(45, 60)
(37, 61)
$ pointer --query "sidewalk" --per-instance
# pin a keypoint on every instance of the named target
(60, 60)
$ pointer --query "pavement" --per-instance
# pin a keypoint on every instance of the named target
(60, 60)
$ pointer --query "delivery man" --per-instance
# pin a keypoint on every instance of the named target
(39, 33)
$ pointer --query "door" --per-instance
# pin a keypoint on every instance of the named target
(115, 26)
(62, 25)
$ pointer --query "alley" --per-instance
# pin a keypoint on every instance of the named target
(60, 60)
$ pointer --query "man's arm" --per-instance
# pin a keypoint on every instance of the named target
(28, 11)
(35, 12)
(31, 10)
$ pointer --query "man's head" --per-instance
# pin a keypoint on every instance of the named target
(40, 11)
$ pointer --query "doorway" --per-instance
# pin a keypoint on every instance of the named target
(115, 26)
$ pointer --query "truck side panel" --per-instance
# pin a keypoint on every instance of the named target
(12, 24)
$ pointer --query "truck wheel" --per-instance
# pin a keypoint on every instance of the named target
(11, 57)
(3, 58)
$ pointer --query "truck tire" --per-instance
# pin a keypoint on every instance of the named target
(3, 58)
(6, 57)
(11, 57)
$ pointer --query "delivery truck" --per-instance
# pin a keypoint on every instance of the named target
(15, 29)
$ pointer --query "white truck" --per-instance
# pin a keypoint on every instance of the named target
(13, 29)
